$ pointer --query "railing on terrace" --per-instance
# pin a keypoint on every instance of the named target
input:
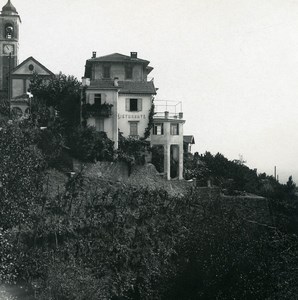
(170, 109)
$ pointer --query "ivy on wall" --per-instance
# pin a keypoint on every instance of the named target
(150, 122)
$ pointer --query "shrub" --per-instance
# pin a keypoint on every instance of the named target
(132, 151)
(89, 145)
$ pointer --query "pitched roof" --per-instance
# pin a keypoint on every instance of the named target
(137, 87)
(117, 57)
(189, 139)
(36, 62)
(126, 87)
(103, 84)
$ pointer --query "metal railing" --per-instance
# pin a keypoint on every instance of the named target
(172, 106)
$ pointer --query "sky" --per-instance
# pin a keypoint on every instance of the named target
(232, 63)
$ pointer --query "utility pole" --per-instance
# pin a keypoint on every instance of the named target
(275, 172)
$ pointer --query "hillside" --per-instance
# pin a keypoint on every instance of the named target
(101, 234)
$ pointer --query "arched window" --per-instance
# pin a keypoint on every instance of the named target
(9, 31)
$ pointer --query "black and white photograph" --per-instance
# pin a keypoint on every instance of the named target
(148, 150)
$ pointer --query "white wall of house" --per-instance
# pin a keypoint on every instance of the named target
(168, 137)
(107, 124)
(133, 122)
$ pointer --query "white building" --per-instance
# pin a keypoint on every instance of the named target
(167, 132)
(118, 97)
(118, 94)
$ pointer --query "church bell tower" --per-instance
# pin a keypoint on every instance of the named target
(9, 46)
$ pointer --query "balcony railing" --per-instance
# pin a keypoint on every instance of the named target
(96, 110)
(168, 109)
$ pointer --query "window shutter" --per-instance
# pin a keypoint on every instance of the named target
(127, 104)
(140, 104)
(162, 129)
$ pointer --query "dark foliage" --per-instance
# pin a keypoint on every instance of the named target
(132, 151)
(150, 122)
(89, 145)
(96, 109)
(158, 157)
(103, 240)
(62, 93)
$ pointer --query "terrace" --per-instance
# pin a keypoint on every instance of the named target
(168, 109)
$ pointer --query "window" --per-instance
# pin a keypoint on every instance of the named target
(106, 71)
(97, 99)
(133, 104)
(133, 129)
(128, 71)
(8, 31)
(174, 129)
(158, 129)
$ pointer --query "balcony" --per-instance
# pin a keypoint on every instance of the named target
(96, 110)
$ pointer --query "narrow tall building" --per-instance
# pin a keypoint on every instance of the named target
(9, 46)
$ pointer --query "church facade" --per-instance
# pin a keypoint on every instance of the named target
(15, 77)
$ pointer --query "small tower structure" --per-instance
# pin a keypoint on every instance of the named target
(167, 132)
(9, 46)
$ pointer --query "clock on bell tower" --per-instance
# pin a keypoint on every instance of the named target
(9, 46)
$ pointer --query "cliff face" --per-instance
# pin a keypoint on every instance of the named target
(144, 176)
(251, 208)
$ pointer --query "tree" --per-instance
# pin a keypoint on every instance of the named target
(89, 145)
(62, 93)
(290, 186)
(20, 175)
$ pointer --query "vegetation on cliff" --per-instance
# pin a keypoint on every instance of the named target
(101, 240)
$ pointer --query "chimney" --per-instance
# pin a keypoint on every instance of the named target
(134, 54)
(116, 81)
(94, 54)
(85, 81)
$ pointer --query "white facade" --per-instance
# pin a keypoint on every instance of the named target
(167, 132)
(133, 123)
(121, 82)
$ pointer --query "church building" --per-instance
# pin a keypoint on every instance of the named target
(15, 77)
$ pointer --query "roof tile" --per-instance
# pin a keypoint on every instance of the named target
(126, 87)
